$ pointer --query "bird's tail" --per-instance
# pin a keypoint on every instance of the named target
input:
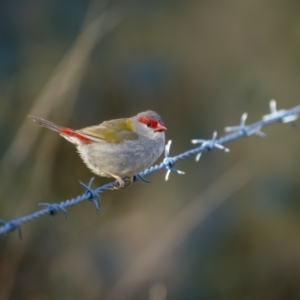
(45, 123)
(71, 135)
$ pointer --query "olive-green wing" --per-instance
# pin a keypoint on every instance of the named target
(114, 131)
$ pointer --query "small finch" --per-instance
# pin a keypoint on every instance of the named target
(117, 148)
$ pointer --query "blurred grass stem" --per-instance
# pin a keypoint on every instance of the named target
(62, 86)
(60, 90)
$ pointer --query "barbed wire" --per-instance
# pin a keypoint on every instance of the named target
(93, 195)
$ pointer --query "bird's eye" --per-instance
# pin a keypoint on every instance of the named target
(148, 124)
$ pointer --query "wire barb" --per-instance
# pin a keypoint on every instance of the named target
(169, 162)
(13, 225)
(208, 145)
(92, 195)
(245, 130)
(279, 114)
(140, 176)
(54, 208)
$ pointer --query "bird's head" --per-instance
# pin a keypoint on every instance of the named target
(149, 123)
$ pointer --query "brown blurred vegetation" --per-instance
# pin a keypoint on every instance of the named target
(229, 228)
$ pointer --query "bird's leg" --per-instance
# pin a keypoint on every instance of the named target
(129, 182)
(119, 179)
(122, 184)
(126, 183)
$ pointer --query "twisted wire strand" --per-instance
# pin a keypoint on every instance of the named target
(93, 195)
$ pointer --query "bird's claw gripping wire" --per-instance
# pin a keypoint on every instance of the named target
(245, 130)
(13, 225)
(54, 208)
(209, 145)
(169, 162)
(92, 194)
(274, 113)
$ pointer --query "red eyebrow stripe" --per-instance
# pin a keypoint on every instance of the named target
(144, 120)
(73, 133)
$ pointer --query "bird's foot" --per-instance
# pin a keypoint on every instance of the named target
(123, 183)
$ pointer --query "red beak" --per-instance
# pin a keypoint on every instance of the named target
(160, 127)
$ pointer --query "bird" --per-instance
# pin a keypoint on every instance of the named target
(116, 148)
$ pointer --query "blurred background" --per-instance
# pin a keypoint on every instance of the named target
(229, 228)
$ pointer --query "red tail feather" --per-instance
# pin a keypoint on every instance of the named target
(73, 133)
